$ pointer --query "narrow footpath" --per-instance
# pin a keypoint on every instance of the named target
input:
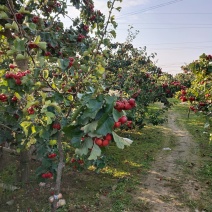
(168, 186)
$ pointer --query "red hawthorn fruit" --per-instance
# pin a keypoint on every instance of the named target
(109, 137)
(183, 99)
(131, 102)
(105, 143)
(48, 175)
(52, 155)
(18, 81)
(12, 66)
(119, 106)
(32, 45)
(71, 59)
(56, 126)
(129, 124)
(193, 108)
(73, 160)
(19, 16)
(43, 175)
(86, 28)
(92, 18)
(80, 37)
(16, 116)
(98, 141)
(123, 119)
(31, 110)
(14, 99)
(207, 95)
(191, 98)
(183, 92)
(117, 124)
(202, 104)
(47, 54)
(3, 98)
(35, 19)
(80, 162)
(128, 106)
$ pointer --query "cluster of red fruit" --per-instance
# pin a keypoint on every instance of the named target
(176, 83)
(105, 141)
(35, 19)
(80, 37)
(183, 98)
(17, 76)
(3, 97)
(79, 161)
(52, 155)
(56, 126)
(31, 110)
(71, 62)
(19, 16)
(209, 57)
(32, 45)
(125, 104)
(47, 175)
(122, 120)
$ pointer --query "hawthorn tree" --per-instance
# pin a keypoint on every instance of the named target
(199, 94)
(52, 86)
(133, 74)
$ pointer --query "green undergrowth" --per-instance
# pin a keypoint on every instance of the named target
(195, 125)
(109, 190)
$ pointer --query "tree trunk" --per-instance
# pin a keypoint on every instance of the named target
(59, 171)
(24, 166)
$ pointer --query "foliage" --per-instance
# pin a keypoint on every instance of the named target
(199, 94)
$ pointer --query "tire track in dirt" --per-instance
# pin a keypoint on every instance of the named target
(167, 187)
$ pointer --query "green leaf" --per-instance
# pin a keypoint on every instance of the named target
(73, 131)
(113, 33)
(118, 8)
(105, 126)
(121, 142)
(117, 114)
(25, 125)
(87, 144)
(90, 127)
(32, 26)
(19, 45)
(100, 69)
(63, 64)
(95, 152)
(33, 129)
(42, 45)
(37, 39)
(93, 106)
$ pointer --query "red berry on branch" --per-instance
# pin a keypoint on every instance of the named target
(123, 119)
(117, 124)
(98, 141)
(109, 137)
(105, 142)
(12, 66)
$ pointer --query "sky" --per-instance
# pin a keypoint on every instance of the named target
(179, 31)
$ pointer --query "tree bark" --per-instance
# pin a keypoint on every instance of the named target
(59, 171)
(24, 166)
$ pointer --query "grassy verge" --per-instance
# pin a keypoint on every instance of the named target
(195, 125)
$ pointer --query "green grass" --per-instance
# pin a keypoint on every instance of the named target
(110, 190)
(113, 189)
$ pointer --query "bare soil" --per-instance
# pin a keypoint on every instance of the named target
(170, 185)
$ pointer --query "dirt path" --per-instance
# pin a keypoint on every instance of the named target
(168, 188)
